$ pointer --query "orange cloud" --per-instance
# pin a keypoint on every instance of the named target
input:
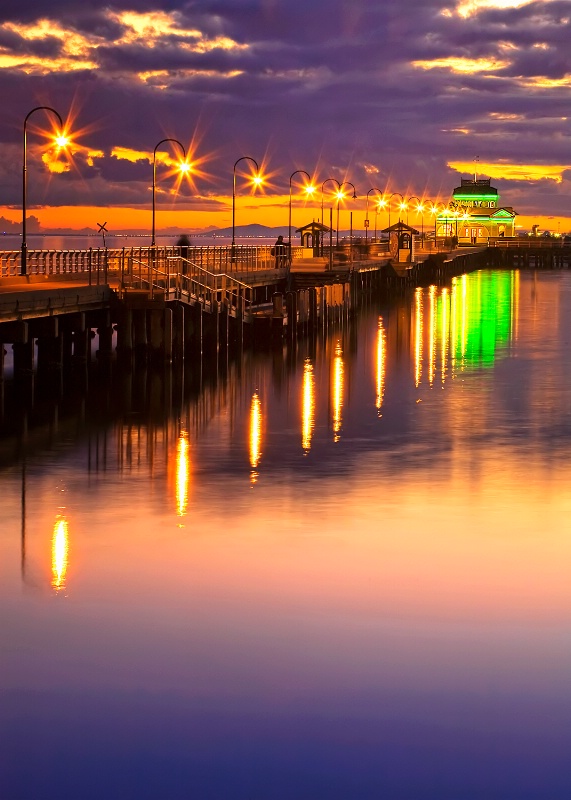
(514, 172)
(463, 65)
(470, 8)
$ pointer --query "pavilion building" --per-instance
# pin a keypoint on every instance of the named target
(474, 214)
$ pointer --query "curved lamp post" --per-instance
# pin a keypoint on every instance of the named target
(367, 214)
(340, 196)
(257, 180)
(410, 199)
(382, 204)
(434, 210)
(61, 141)
(176, 141)
(333, 180)
(308, 190)
(394, 194)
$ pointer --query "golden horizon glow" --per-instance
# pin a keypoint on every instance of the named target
(182, 474)
(307, 405)
(60, 554)
(215, 213)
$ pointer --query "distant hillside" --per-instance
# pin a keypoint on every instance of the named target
(254, 230)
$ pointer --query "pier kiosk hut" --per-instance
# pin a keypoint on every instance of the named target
(401, 242)
(476, 213)
(312, 238)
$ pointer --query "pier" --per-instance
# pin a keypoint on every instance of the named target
(165, 304)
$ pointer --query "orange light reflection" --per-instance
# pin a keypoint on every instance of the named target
(60, 554)
(255, 435)
(337, 391)
(308, 405)
(182, 474)
(381, 364)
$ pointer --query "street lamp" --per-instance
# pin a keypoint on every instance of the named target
(309, 189)
(257, 180)
(333, 180)
(367, 214)
(341, 196)
(434, 211)
(382, 204)
(182, 167)
(410, 199)
(61, 141)
(394, 194)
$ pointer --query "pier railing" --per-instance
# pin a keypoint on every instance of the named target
(99, 263)
(529, 241)
(104, 265)
(178, 278)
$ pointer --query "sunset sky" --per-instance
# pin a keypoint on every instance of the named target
(403, 96)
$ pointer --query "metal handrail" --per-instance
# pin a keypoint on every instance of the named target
(219, 259)
(156, 278)
(527, 242)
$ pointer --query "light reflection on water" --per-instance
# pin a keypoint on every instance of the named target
(386, 614)
(60, 554)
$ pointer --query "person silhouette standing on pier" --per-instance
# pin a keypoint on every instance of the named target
(279, 251)
(184, 243)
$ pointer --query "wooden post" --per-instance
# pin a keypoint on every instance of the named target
(168, 334)
(141, 342)
(125, 333)
(178, 330)
(23, 358)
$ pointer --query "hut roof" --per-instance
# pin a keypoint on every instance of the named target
(400, 227)
(313, 226)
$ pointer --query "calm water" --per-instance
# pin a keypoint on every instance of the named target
(338, 573)
(116, 241)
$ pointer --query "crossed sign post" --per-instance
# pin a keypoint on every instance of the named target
(103, 230)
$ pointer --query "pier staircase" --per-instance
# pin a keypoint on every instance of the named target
(148, 284)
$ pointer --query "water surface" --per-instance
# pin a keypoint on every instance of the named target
(340, 571)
